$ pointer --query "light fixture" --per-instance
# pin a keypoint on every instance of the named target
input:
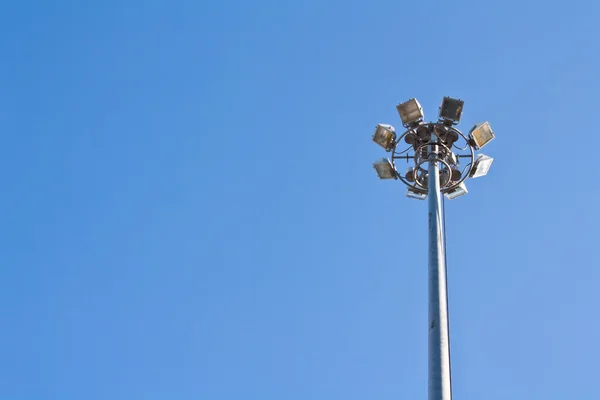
(456, 175)
(410, 112)
(451, 138)
(445, 134)
(481, 134)
(385, 169)
(424, 133)
(481, 166)
(451, 110)
(445, 177)
(423, 179)
(434, 149)
(440, 131)
(384, 135)
(410, 174)
(458, 191)
(416, 194)
(411, 138)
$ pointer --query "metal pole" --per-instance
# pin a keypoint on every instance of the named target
(439, 353)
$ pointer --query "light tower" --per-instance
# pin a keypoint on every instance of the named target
(435, 171)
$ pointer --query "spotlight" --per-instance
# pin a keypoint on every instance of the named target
(385, 135)
(458, 191)
(385, 169)
(411, 112)
(481, 134)
(416, 194)
(451, 110)
(481, 166)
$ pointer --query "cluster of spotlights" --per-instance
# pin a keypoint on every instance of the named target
(418, 134)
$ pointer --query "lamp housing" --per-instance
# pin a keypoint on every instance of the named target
(481, 134)
(385, 136)
(411, 112)
(481, 166)
(451, 110)
(458, 191)
(416, 194)
(385, 169)
(410, 174)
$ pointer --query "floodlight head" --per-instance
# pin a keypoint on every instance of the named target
(481, 166)
(451, 110)
(410, 112)
(416, 194)
(481, 134)
(385, 169)
(385, 136)
(458, 191)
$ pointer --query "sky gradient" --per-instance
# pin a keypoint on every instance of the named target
(189, 209)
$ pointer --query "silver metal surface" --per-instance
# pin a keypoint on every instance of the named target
(439, 350)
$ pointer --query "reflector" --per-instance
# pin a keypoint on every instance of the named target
(415, 194)
(385, 169)
(460, 190)
(384, 135)
(411, 112)
(481, 166)
(481, 134)
(451, 109)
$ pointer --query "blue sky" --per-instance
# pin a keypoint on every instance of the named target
(189, 209)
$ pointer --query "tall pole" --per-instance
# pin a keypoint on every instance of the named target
(439, 352)
(433, 144)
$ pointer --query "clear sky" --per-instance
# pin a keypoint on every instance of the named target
(189, 209)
